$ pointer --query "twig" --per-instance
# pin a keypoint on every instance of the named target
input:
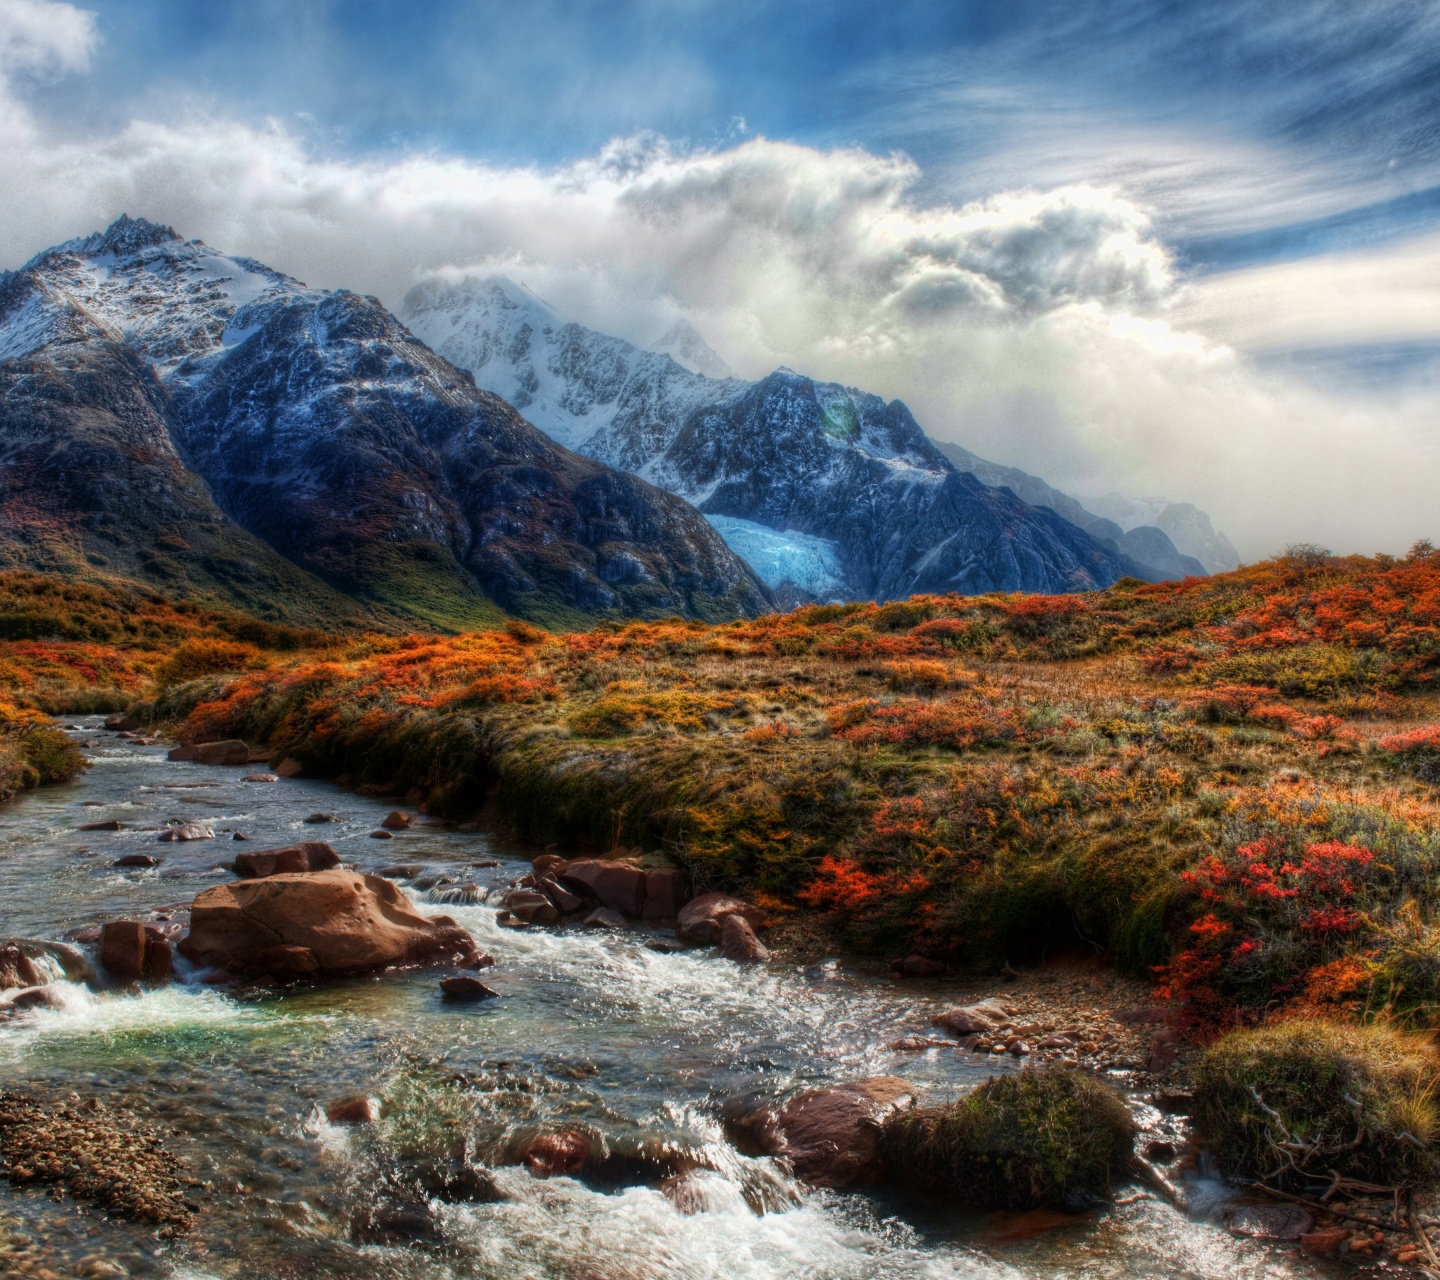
(1324, 1208)
(1419, 1232)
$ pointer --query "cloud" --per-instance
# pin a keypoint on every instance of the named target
(40, 36)
(1044, 328)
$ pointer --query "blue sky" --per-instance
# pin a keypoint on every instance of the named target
(1182, 248)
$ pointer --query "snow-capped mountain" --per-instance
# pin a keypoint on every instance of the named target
(683, 344)
(325, 430)
(821, 487)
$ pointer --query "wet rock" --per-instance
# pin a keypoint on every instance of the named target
(121, 722)
(548, 862)
(1326, 1242)
(611, 884)
(401, 871)
(351, 923)
(319, 819)
(381, 834)
(17, 969)
(739, 943)
(287, 963)
(1268, 1221)
(916, 967)
(829, 1137)
(289, 767)
(392, 1224)
(700, 920)
(293, 859)
(666, 891)
(131, 951)
(566, 903)
(396, 820)
(565, 1152)
(971, 1019)
(230, 751)
(354, 1110)
(261, 777)
(182, 831)
(467, 990)
(696, 1191)
(604, 918)
(136, 860)
(46, 997)
(111, 825)
(239, 835)
(531, 907)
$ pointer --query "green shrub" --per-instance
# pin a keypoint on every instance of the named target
(1301, 1099)
(1052, 1137)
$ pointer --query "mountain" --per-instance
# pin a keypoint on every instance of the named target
(1150, 544)
(1186, 525)
(327, 439)
(683, 344)
(827, 491)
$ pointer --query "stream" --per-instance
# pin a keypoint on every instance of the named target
(592, 1028)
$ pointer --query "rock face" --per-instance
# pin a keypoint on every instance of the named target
(826, 490)
(329, 438)
(293, 859)
(829, 1137)
(134, 952)
(346, 922)
(700, 921)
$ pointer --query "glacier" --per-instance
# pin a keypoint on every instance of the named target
(782, 556)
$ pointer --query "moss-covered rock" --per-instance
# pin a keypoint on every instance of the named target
(1052, 1138)
(1308, 1097)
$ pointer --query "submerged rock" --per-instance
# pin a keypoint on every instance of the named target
(355, 1110)
(17, 969)
(181, 831)
(565, 1152)
(137, 860)
(350, 923)
(828, 1137)
(466, 989)
(292, 859)
(700, 920)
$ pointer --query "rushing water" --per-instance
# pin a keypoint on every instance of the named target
(592, 1028)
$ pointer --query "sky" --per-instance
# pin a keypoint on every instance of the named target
(1189, 249)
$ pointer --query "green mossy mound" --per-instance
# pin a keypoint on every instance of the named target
(1050, 1138)
(1295, 1101)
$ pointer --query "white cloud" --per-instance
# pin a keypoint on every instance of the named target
(39, 36)
(1043, 328)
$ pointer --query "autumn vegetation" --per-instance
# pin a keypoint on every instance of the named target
(1227, 783)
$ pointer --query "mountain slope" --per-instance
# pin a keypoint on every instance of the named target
(325, 429)
(822, 487)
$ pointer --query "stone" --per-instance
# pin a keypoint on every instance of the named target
(699, 921)
(47, 997)
(916, 967)
(17, 969)
(466, 989)
(604, 918)
(230, 751)
(401, 871)
(613, 884)
(972, 1019)
(666, 891)
(239, 835)
(137, 860)
(531, 906)
(292, 859)
(356, 1110)
(739, 943)
(697, 1191)
(318, 819)
(829, 1137)
(131, 951)
(565, 1152)
(122, 722)
(1269, 1221)
(350, 923)
(261, 777)
(112, 825)
(381, 834)
(551, 862)
(566, 903)
(289, 767)
(182, 831)
(396, 820)
(287, 963)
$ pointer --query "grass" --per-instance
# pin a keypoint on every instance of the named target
(1049, 1138)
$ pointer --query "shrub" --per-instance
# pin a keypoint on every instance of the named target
(197, 658)
(1300, 1100)
(1053, 1138)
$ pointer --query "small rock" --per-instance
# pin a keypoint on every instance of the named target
(548, 862)
(239, 835)
(121, 721)
(604, 918)
(357, 1110)
(261, 777)
(531, 907)
(181, 831)
(699, 921)
(17, 969)
(739, 943)
(112, 825)
(396, 820)
(979, 1018)
(401, 871)
(466, 989)
(565, 1152)
(231, 751)
(36, 998)
(137, 860)
(381, 834)
(318, 819)
(566, 903)
(131, 951)
(293, 859)
(916, 967)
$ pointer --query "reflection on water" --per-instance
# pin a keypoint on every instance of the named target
(593, 1029)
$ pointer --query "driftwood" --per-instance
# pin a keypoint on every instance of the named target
(1156, 1181)
(1422, 1237)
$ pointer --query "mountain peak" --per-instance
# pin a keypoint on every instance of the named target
(684, 345)
(129, 235)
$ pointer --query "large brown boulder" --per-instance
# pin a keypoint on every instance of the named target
(292, 859)
(349, 923)
(131, 951)
(738, 941)
(17, 969)
(231, 751)
(666, 892)
(829, 1137)
(612, 884)
(700, 920)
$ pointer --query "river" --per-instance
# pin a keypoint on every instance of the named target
(591, 1028)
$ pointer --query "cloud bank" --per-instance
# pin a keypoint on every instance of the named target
(1045, 328)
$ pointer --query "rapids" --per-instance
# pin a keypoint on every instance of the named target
(592, 1028)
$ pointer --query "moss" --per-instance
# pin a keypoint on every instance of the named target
(1357, 1099)
(1051, 1138)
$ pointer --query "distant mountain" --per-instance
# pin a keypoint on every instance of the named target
(826, 490)
(310, 434)
(683, 344)
(1187, 526)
